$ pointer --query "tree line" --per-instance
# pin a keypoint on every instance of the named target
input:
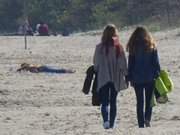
(83, 15)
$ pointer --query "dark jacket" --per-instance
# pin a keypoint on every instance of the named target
(91, 76)
(143, 67)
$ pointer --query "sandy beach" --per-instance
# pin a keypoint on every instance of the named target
(53, 104)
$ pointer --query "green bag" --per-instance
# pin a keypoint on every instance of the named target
(153, 100)
(167, 80)
(163, 83)
(160, 86)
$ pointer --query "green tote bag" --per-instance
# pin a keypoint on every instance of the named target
(164, 83)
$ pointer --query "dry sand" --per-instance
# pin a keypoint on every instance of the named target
(53, 104)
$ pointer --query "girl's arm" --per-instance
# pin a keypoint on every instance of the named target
(156, 64)
(95, 59)
(130, 67)
(123, 63)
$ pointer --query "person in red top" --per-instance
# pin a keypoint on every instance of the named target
(43, 29)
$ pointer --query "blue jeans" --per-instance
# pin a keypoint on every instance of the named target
(108, 96)
(51, 70)
(140, 89)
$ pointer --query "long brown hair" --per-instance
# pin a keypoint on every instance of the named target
(139, 37)
(109, 34)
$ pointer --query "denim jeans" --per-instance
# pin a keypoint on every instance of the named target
(51, 70)
(140, 89)
(108, 96)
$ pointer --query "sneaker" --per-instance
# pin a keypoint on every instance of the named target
(147, 123)
(111, 125)
(106, 125)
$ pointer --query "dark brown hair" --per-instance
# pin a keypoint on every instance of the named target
(140, 37)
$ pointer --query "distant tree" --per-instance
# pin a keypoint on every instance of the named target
(10, 11)
(110, 11)
(82, 15)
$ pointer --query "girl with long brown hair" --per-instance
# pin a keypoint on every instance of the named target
(111, 67)
(143, 68)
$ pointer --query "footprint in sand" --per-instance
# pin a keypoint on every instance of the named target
(175, 118)
(4, 92)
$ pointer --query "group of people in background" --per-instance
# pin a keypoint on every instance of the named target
(114, 73)
(42, 29)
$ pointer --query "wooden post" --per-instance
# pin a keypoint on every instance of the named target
(25, 40)
(168, 12)
(25, 25)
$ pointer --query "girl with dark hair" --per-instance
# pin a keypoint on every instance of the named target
(143, 68)
(111, 67)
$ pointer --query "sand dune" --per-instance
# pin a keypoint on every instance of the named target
(53, 104)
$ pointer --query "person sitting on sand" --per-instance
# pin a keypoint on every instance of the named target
(41, 68)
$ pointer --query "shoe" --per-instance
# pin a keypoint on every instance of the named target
(106, 125)
(147, 123)
(111, 125)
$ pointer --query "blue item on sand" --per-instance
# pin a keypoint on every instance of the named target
(48, 69)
